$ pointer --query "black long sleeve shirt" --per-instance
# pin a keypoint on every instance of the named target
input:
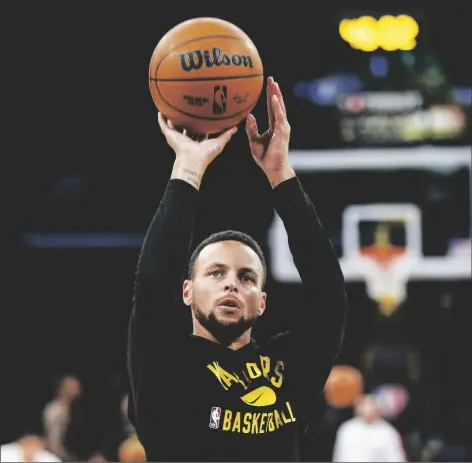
(193, 399)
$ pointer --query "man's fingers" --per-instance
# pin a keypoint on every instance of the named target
(225, 137)
(251, 128)
(163, 124)
(278, 92)
(278, 111)
(270, 112)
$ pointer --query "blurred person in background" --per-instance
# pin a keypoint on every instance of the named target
(30, 446)
(367, 436)
(57, 415)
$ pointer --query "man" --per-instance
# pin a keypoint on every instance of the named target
(57, 415)
(368, 437)
(217, 394)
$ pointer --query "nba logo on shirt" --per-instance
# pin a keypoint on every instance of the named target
(215, 417)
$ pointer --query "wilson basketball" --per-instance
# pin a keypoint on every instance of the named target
(205, 75)
(344, 386)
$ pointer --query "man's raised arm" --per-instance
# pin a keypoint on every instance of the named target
(155, 321)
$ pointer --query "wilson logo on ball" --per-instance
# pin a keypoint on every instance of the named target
(196, 59)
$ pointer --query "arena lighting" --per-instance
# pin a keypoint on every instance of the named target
(389, 32)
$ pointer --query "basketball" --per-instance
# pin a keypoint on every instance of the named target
(131, 450)
(344, 386)
(205, 75)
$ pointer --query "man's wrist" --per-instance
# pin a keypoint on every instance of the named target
(189, 172)
(277, 177)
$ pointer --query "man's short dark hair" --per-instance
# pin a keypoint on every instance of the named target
(227, 235)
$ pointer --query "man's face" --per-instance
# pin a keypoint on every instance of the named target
(72, 387)
(226, 293)
(367, 408)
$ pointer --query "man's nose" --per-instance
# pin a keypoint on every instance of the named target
(231, 284)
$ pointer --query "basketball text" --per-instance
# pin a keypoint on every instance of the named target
(257, 423)
(196, 59)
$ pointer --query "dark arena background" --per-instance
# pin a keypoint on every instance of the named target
(85, 166)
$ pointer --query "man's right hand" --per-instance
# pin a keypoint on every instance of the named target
(192, 157)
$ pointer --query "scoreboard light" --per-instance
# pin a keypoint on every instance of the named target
(389, 33)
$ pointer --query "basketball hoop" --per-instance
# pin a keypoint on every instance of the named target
(385, 269)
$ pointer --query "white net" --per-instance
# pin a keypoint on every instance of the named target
(386, 280)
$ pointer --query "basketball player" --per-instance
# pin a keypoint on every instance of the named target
(217, 394)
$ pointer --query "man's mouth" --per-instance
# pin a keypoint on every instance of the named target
(229, 302)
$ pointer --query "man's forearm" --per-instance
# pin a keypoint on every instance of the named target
(165, 249)
(316, 262)
(317, 323)
(311, 248)
(154, 320)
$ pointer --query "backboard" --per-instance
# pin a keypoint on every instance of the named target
(432, 220)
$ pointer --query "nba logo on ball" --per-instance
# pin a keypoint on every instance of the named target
(215, 415)
(220, 93)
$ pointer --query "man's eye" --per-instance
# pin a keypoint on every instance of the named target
(215, 273)
(247, 278)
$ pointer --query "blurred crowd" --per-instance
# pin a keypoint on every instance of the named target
(58, 438)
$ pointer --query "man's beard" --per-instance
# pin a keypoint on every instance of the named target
(225, 333)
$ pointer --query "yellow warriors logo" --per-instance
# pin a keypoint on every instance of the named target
(260, 397)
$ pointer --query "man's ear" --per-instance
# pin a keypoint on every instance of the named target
(187, 292)
(262, 306)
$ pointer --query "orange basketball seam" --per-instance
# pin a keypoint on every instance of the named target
(192, 79)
